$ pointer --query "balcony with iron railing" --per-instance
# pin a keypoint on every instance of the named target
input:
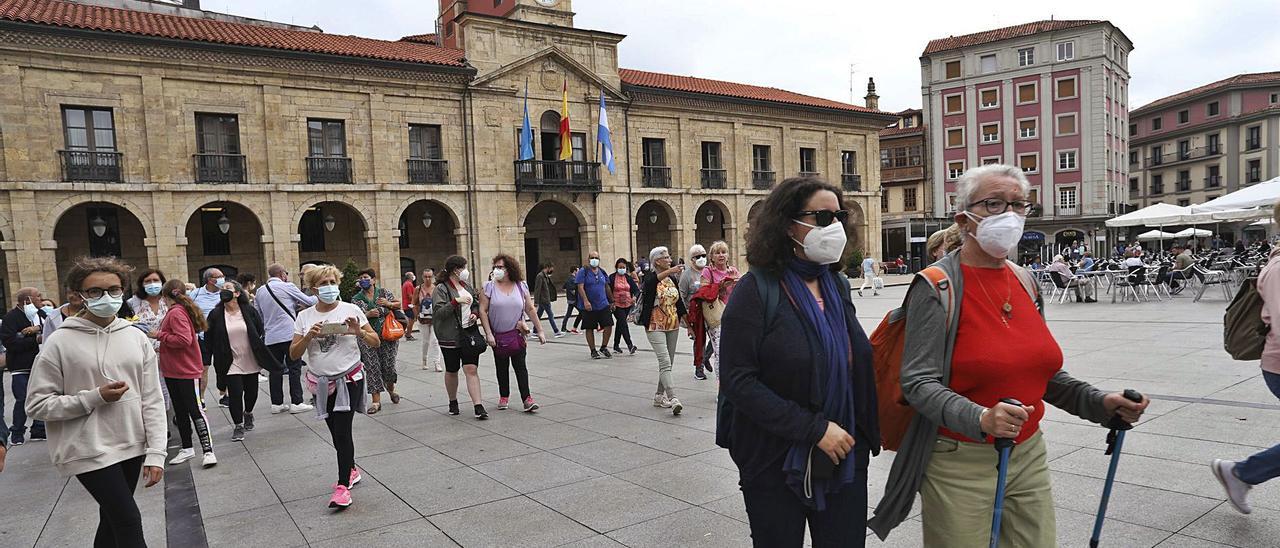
(851, 182)
(1182, 185)
(1197, 153)
(219, 168)
(1157, 189)
(83, 165)
(423, 171)
(1253, 144)
(655, 176)
(1213, 181)
(762, 180)
(557, 175)
(713, 178)
(328, 169)
(896, 174)
(808, 174)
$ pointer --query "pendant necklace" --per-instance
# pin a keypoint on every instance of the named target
(1006, 310)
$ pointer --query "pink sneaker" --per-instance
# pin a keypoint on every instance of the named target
(529, 405)
(502, 404)
(355, 477)
(341, 497)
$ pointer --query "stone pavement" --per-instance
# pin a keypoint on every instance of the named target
(600, 466)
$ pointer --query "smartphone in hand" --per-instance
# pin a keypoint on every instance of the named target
(336, 328)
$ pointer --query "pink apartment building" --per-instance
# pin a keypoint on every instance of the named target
(1050, 97)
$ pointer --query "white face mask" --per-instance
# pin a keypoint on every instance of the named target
(30, 310)
(622, 271)
(700, 262)
(464, 275)
(823, 244)
(499, 274)
(328, 293)
(998, 234)
(105, 306)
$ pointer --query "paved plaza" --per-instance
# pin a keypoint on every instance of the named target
(600, 466)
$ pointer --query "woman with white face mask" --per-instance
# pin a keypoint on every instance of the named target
(504, 304)
(690, 282)
(960, 361)
(799, 390)
(455, 308)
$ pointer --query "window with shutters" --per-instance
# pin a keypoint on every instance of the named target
(991, 133)
(1030, 163)
(1065, 88)
(989, 98)
(711, 155)
(327, 138)
(808, 161)
(1027, 93)
(955, 137)
(953, 104)
(989, 160)
(1067, 200)
(654, 152)
(1066, 124)
(953, 69)
(987, 63)
(955, 169)
(1028, 128)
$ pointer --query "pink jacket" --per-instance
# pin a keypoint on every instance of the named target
(1269, 288)
(179, 352)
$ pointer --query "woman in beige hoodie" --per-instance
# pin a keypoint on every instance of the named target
(95, 385)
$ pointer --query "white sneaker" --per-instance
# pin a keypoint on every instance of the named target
(209, 460)
(439, 367)
(277, 409)
(1237, 489)
(676, 406)
(300, 408)
(560, 335)
(183, 455)
(660, 400)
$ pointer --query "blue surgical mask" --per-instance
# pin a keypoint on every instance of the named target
(105, 306)
(47, 309)
(328, 293)
(219, 281)
(30, 310)
(594, 262)
(364, 284)
(622, 271)
(152, 288)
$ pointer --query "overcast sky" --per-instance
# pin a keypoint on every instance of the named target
(807, 47)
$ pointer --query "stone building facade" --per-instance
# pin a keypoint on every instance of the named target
(181, 143)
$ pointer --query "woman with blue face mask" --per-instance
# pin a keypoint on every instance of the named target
(148, 308)
(379, 362)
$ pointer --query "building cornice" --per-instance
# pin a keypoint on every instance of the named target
(641, 95)
(1203, 126)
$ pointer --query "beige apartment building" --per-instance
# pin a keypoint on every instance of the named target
(1196, 145)
(183, 139)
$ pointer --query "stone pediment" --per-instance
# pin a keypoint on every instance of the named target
(546, 70)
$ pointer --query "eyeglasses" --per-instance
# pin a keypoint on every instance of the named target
(996, 206)
(97, 292)
(824, 217)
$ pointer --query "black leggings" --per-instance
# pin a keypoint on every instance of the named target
(621, 331)
(243, 391)
(522, 374)
(119, 521)
(455, 358)
(568, 312)
(340, 429)
(187, 411)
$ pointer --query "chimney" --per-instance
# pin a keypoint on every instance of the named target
(873, 100)
(191, 4)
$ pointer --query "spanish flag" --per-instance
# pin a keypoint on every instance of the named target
(566, 146)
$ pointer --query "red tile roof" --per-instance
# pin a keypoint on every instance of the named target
(432, 38)
(900, 131)
(1016, 31)
(690, 84)
(1250, 79)
(81, 16)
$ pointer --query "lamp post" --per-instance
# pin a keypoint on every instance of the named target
(653, 217)
(329, 222)
(224, 224)
(426, 219)
(552, 219)
(99, 226)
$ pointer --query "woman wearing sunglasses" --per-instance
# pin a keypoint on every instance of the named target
(800, 402)
(960, 361)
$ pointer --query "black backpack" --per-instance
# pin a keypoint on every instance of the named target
(1244, 333)
(768, 289)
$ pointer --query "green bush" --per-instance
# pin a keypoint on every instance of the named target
(855, 264)
(347, 287)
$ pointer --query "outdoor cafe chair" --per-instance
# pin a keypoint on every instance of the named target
(1212, 277)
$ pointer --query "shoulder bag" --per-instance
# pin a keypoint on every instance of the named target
(470, 339)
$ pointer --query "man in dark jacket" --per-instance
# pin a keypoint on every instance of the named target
(20, 333)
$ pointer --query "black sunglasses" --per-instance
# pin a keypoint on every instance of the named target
(824, 217)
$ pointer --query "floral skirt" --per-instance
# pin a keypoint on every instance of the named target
(379, 365)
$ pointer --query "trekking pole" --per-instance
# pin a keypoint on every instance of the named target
(1004, 446)
(1115, 440)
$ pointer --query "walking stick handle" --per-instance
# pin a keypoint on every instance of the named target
(1005, 443)
(1118, 423)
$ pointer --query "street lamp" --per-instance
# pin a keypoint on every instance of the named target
(653, 217)
(99, 226)
(552, 219)
(329, 222)
(711, 216)
(224, 224)
(426, 219)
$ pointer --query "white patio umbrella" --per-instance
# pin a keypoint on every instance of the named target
(1153, 235)
(1193, 233)
(1142, 217)
(1263, 194)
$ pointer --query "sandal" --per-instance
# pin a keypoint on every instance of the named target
(373, 408)
(395, 398)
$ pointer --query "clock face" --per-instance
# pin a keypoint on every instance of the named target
(548, 3)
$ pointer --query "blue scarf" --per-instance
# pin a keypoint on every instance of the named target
(833, 373)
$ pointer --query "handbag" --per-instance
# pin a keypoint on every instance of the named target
(508, 343)
(711, 312)
(470, 339)
(392, 329)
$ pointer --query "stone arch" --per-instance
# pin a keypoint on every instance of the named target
(241, 249)
(318, 243)
(706, 232)
(446, 203)
(253, 206)
(581, 216)
(657, 222)
(67, 204)
(355, 204)
(857, 225)
(560, 243)
(422, 244)
(123, 235)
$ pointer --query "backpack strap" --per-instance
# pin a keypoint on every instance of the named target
(767, 287)
(1029, 284)
(941, 284)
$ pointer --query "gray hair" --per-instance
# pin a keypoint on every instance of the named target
(208, 273)
(276, 270)
(697, 249)
(658, 252)
(974, 177)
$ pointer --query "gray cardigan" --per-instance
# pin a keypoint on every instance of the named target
(444, 313)
(926, 375)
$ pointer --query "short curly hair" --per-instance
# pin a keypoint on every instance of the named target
(84, 266)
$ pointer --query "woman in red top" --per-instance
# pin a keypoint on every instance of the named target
(622, 290)
(960, 359)
(182, 368)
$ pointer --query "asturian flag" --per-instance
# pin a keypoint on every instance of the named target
(526, 131)
(603, 136)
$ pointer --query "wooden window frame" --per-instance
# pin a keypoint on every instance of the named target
(1034, 134)
(947, 137)
(1057, 124)
(982, 105)
(1035, 92)
(1035, 155)
(1057, 87)
(945, 105)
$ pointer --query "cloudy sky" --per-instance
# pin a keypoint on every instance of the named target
(808, 47)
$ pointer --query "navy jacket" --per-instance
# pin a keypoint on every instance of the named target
(766, 372)
(20, 350)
